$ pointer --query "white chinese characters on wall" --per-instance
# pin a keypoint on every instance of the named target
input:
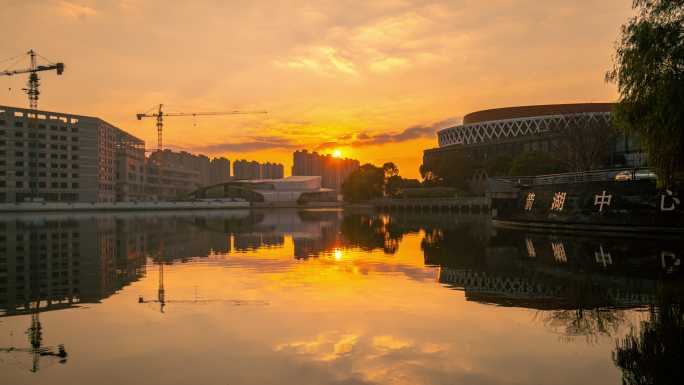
(558, 201)
(668, 202)
(603, 200)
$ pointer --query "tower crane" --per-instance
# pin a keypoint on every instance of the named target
(160, 114)
(34, 81)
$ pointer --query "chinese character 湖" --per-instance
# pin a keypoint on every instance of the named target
(558, 201)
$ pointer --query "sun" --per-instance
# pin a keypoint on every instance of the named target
(337, 154)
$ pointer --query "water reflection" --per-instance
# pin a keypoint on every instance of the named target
(651, 353)
(349, 276)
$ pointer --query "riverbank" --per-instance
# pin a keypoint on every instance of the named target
(119, 206)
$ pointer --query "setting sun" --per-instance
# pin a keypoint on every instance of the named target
(337, 153)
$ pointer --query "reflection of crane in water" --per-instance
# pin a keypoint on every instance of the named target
(37, 350)
(161, 291)
(161, 296)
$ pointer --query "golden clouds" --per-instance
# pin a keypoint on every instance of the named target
(73, 10)
(323, 347)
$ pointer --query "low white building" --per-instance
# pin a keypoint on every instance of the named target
(293, 189)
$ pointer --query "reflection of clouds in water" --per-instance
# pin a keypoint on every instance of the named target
(386, 343)
(377, 359)
(324, 347)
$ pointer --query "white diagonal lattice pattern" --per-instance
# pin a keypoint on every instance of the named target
(490, 131)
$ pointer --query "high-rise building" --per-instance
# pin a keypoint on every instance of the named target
(332, 170)
(63, 157)
(185, 161)
(219, 171)
(246, 170)
(272, 171)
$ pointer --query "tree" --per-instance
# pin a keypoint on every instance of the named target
(652, 354)
(649, 72)
(583, 144)
(535, 163)
(365, 183)
(390, 170)
(452, 169)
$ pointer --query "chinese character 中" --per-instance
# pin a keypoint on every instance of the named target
(529, 201)
(558, 201)
(602, 200)
(671, 207)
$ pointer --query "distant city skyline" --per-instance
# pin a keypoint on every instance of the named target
(374, 81)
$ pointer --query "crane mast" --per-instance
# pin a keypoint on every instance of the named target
(33, 83)
(159, 115)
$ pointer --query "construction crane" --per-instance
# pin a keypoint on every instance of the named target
(34, 81)
(160, 114)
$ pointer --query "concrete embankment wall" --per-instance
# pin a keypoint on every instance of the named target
(119, 206)
(638, 205)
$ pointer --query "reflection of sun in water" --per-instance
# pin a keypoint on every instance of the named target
(338, 254)
(337, 153)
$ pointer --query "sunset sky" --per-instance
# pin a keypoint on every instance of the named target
(373, 79)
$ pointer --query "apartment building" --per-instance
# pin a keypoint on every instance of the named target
(61, 157)
(332, 170)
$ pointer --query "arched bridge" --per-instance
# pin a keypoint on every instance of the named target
(228, 190)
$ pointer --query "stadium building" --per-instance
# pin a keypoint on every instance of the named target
(512, 131)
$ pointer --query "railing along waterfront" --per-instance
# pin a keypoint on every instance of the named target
(620, 174)
(461, 204)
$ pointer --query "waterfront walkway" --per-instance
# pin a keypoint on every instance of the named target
(461, 205)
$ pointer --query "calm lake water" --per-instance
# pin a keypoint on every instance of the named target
(331, 297)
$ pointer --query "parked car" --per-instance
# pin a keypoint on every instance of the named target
(638, 174)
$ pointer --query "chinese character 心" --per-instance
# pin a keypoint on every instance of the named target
(671, 207)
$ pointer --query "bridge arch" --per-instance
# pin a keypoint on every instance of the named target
(227, 190)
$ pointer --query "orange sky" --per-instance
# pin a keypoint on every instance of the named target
(372, 78)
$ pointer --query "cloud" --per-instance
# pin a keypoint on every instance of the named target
(74, 10)
(324, 59)
(251, 144)
(324, 347)
(363, 139)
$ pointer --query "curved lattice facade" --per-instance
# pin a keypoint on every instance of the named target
(500, 130)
